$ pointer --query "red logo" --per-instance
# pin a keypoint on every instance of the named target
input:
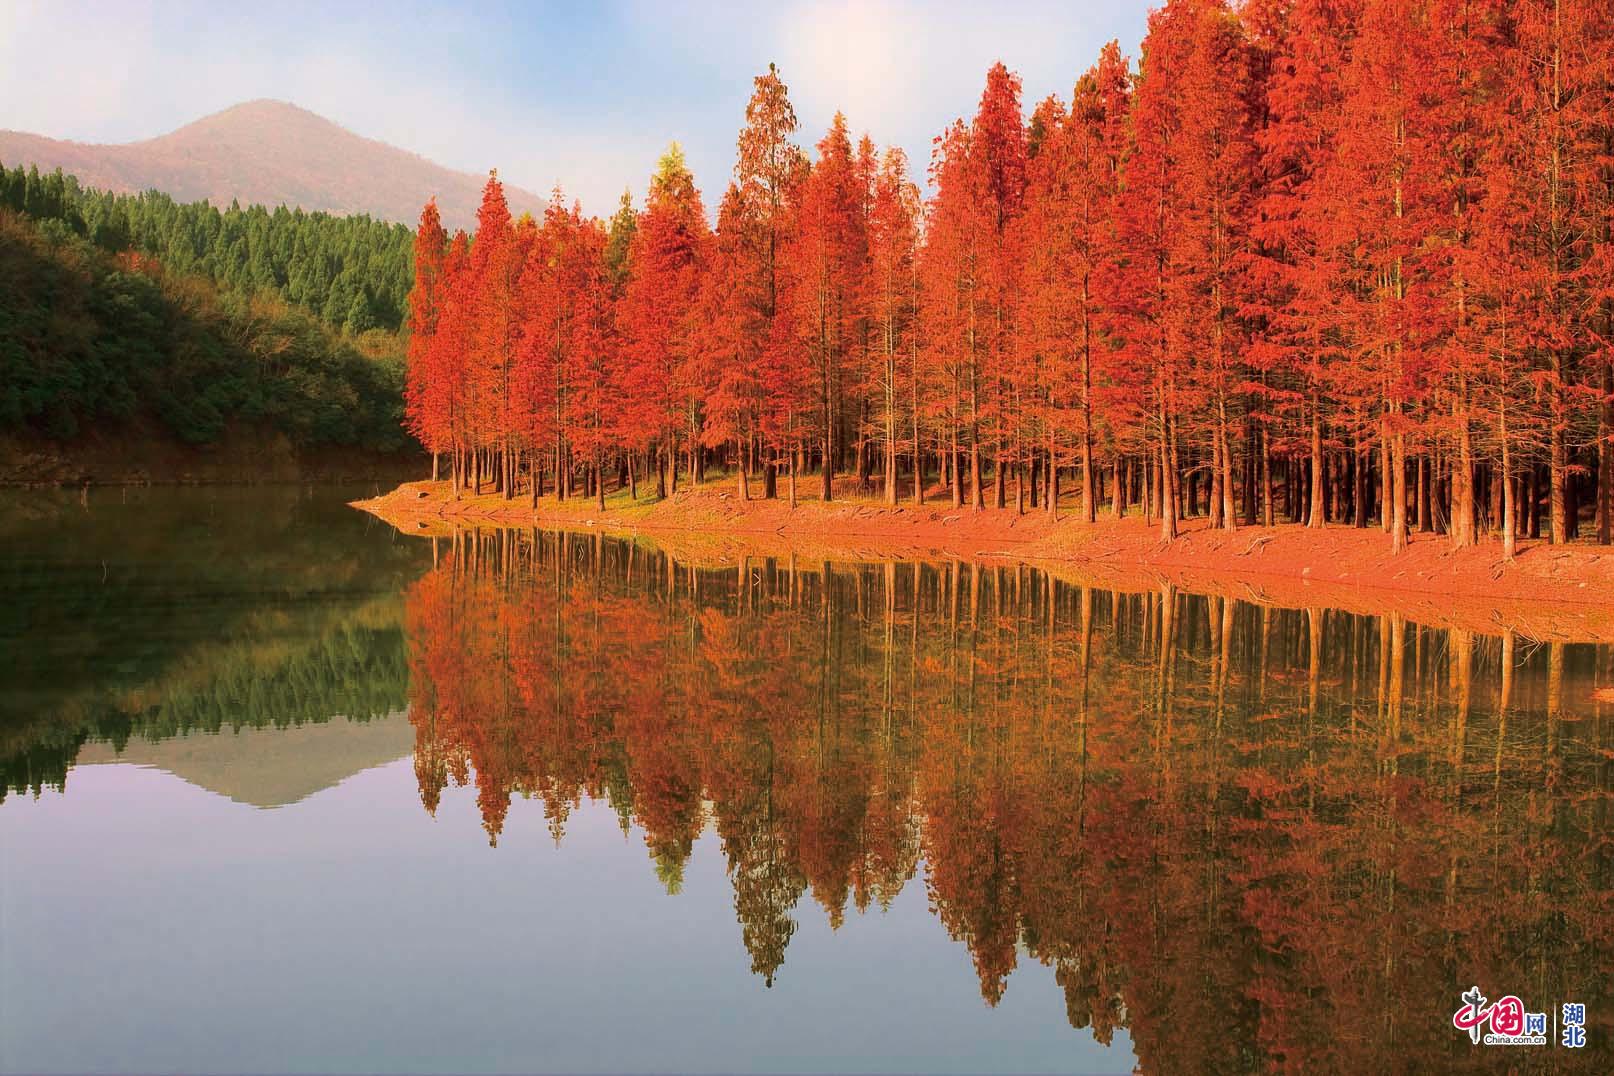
(1509, 1023)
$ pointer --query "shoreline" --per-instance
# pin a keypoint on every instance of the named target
(1548, 593)
(137, 454)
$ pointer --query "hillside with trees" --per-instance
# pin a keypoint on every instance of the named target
(353, 272)
(1307, 262)
(96, 335)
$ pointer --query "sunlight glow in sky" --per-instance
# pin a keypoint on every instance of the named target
(577, 94)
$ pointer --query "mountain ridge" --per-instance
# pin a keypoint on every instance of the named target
(271, 153)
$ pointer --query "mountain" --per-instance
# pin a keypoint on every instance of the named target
(272, 153)
(268, 767)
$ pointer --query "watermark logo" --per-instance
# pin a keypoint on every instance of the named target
(1574, 1022)
(1505, 1022)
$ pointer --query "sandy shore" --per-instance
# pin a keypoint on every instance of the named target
(1547, 593)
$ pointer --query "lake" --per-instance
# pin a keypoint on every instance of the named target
(287, 790)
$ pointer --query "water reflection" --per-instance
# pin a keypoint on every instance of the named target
(148, 614)
(1254, 837)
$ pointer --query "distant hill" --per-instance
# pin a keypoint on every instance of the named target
(268, 767)
(271, 153)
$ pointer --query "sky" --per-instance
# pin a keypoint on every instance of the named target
(582, 95)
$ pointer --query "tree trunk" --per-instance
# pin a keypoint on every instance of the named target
(1000, 478)
(1557, 457)
(1359, 455)
(1398, 511)
(1168, 482)
(890, 437)
(1267, 509)
(829, 467)
(1089, 501)
(977, 492)
(1050, 478)
(1509, 520)
(1462, 480)
(1387, 484)
(1316, 518)
(952, 471)
(1229, 518)
(1605, 461)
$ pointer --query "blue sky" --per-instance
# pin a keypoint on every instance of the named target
(582, 95)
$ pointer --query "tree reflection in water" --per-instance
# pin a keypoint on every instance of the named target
(1255, 837)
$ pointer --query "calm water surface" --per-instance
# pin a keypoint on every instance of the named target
(288, 791)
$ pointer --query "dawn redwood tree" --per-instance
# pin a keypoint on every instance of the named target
(890, 294)
(1196, 158)
(768, 170)
(1069, 251)
(589, 413)
(1556, 170)
(734, 336)
(1389, 196)
(825, 262)
(443, 402)
(565, 289)
(426, 300)
(494, 337)
(1152, 212)
(955, 298)
(999, 145)
(657, 310)
(1300, 241)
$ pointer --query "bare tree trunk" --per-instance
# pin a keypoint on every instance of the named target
(1510, 526)
(1387, 485)
(828, 472)
(977, 493)
(891, 433)
(1462, 477)
(1089, 500)
(1266, 478)
(1557, 468)
(1168, 481)
(1053, 491)
(1605, 461)
(1398, 512)
(1000, 477)
(1315, 519)
(1230, 520)
(952, 471)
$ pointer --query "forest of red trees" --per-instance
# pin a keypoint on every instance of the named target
(1306, 260)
